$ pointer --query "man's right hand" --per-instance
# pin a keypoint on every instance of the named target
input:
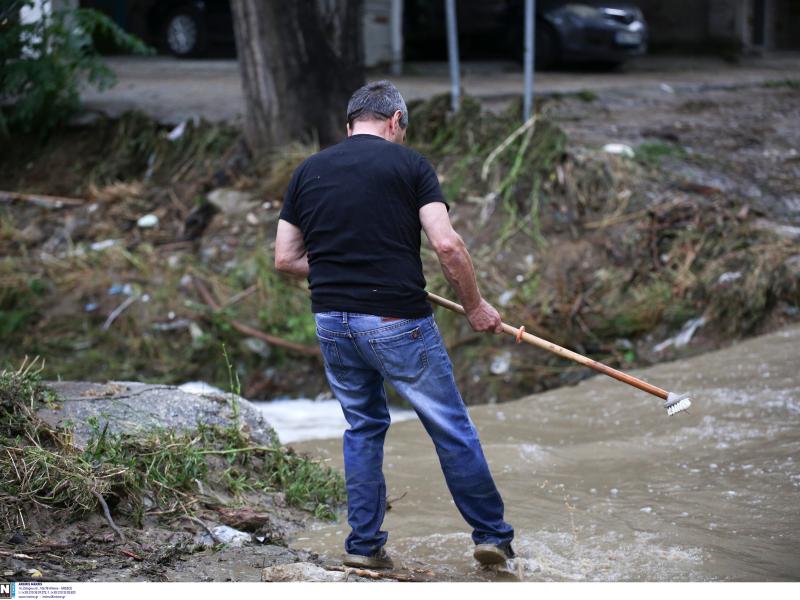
(484, 318)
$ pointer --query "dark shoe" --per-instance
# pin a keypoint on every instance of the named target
(380, 560)
(493, 554)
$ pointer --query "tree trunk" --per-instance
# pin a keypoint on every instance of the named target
(300, 62)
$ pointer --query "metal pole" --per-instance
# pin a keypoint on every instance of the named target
(396, 27)
(452, 53)
(530, 51)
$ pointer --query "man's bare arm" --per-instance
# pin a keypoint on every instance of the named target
(290, 251)
(457, 267)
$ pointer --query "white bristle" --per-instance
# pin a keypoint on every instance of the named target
(679, 406)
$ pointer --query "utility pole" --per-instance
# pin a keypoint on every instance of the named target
(396, 36)
(452, 54)
(530, 57)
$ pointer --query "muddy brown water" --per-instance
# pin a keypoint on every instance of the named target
(601, 485)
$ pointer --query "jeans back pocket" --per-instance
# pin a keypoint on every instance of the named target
(403, 356)
(330, 353)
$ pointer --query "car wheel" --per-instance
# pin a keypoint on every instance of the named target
(184, 33)
(548, 51)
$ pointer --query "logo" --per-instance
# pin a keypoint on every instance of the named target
(8, 590)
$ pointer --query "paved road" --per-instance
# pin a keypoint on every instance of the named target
(173, 90)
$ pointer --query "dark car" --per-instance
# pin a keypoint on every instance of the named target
(180, 27)
(599, 31)
(596, 31)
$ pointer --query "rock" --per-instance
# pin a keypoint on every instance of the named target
(130, 407)
(232, 202)
(302, 571)
(257, 346)
(17, 538)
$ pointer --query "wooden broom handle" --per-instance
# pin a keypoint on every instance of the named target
(522, 335)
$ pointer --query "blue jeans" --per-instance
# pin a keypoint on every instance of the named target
(360, 353)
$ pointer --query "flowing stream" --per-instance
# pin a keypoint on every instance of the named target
(601, 485)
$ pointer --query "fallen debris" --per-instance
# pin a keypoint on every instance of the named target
(42, 200)
(250, 331)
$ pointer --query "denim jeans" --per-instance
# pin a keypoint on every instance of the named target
(360, 353)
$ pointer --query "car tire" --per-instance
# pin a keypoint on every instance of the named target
(184, 33)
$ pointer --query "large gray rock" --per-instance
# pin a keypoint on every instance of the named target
(129, 407)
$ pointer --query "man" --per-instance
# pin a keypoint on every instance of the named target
(351, 222)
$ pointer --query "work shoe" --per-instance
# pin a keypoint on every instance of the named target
(380, 560)
(493, 554)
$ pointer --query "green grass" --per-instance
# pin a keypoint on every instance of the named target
(652, 153)
(39, 464)
(793, 84)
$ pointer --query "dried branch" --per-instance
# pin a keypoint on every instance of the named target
(40, 199)
(205, 294)
(107, 514)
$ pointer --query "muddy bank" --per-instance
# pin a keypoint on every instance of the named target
(685, 242)
(124, 481)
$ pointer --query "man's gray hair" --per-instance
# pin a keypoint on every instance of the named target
(376, 100)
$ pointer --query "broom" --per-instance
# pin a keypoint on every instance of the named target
(674, 403)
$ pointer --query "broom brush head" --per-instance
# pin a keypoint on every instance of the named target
(676, 403)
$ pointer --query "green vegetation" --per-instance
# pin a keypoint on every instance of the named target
(583, 247)
(482, 153)
(652, 153)
(793, 84)
(44, 63)
(39, 465)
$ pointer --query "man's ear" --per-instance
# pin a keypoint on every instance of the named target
(348, 129)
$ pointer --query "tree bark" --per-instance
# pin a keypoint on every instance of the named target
(300, 62)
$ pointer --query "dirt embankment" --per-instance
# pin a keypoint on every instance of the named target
(687, 240)
(131, 482)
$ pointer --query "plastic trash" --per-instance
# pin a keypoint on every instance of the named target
(729, 276)
(501, 364)
(621, 149)
(226, 535)
(147, 221)
(177, 132)
(103, 245)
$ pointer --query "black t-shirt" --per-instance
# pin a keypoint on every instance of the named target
(357, 204)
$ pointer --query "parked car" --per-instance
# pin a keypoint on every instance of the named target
(590, 31)
(598, 31)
